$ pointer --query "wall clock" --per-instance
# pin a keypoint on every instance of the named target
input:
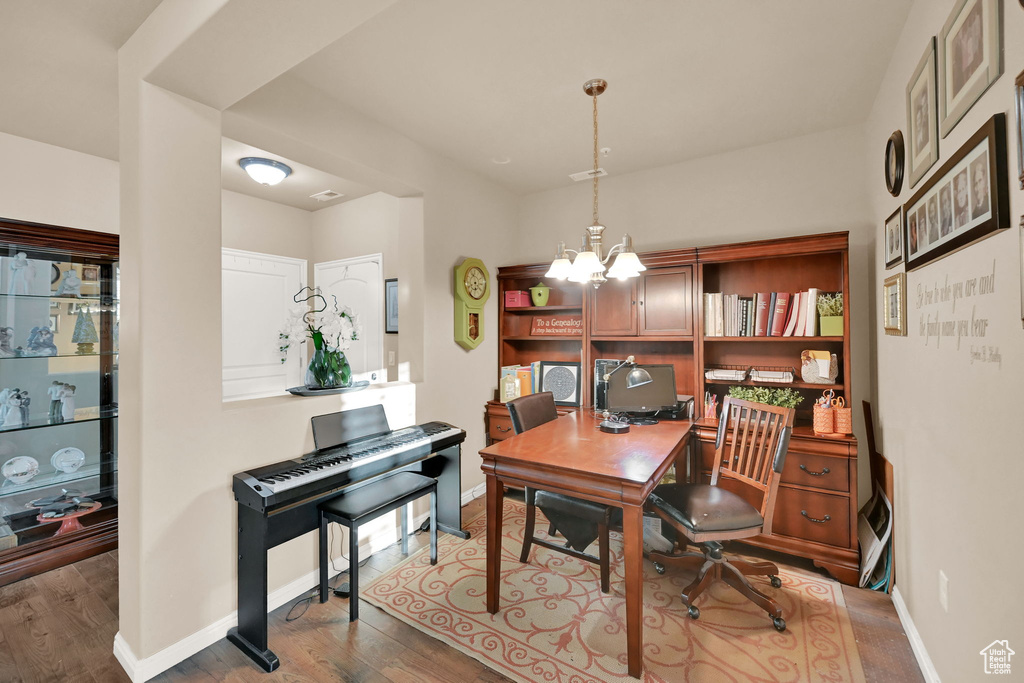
(472, 288)
(894, 164)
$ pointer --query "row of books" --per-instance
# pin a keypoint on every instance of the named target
(519, 380)
(766, 314)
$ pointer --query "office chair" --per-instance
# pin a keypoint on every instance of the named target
(579, 521)
(750, 450)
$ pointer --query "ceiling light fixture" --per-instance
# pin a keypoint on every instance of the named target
(589, 265)
(265, 171)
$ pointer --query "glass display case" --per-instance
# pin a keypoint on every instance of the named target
(58, 396)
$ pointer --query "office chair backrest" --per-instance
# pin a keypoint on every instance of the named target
(751, 447)
(530, 411)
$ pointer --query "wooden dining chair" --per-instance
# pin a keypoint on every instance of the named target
(578, 521)
(750, 450)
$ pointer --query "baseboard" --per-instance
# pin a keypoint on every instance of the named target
(923, 660)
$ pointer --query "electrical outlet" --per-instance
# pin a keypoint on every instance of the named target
(391, 358)
(944, 591)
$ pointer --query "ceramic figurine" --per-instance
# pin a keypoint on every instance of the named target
(6, 335)
(23, 272)
(55, 391)
(40, 342)
(4, 395)
(15, 415)
(67, 402)
(70, 284)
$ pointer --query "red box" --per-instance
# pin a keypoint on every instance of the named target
(515, 298)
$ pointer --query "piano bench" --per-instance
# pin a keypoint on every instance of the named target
(365, 504)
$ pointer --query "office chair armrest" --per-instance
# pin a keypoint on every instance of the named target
(781, 449)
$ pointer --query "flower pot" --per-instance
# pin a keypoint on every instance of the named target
(328, 369)
(539, 294)
(831, 325)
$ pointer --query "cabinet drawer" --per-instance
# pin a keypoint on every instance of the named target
(818, 517)
(499, 426)
(819, 471)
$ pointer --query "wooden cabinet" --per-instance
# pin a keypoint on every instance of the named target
(659, 319)
(499, 423)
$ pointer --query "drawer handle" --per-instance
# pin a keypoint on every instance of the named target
(503, 429)
(824, 471)
(828, 518)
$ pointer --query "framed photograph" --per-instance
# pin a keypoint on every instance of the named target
(1018, 98)
(922, 140)
(894, 305)
(894, 239)
(970, 46)
(964, 201)
(55, 323)
(391, 306)
(562, 380)
(894, 160)
(90, 273)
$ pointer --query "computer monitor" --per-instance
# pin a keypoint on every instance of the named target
(659, 394)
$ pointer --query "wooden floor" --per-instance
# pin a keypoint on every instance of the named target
(60, 626)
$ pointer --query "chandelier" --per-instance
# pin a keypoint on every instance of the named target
(590, 262)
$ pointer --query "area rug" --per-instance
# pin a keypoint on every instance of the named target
(556, 626)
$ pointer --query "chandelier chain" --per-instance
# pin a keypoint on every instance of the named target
(595, 158)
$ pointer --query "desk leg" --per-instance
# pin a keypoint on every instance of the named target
(251, 634)
(495, 506)
(633, 555)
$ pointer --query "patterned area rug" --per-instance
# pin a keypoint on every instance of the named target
(556, 626)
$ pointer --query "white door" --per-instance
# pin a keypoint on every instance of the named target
(256, 296)
(358, 283)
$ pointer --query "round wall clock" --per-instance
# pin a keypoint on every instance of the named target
(894, 164)
(472, 288)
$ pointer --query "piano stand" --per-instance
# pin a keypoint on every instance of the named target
(266, 659)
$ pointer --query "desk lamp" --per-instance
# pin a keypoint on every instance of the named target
(637, 377)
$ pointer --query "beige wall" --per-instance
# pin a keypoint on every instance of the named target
(951, 424)
(806, 185)
(47, 184)
(254, 224)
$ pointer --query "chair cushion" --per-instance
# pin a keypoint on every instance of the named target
(576, 519)
(702, 508)
(378, 497)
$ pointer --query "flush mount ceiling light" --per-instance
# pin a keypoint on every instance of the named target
(265, 171)
(589, 265)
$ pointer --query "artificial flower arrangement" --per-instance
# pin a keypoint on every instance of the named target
(332, 328)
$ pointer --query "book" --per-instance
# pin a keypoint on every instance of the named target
(801, 317)
(535, 371)
(771, 313)
(791, 317)
(779, 318)
(761, 314)
(812, 313)
(744, 316)
(719, 319)
(750, 317)
(525, 373)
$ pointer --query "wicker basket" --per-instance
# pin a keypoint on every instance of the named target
(824, 419)
(844, 417)
(810, 372)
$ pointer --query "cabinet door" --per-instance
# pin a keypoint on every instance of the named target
(614, 309)
(666, 301)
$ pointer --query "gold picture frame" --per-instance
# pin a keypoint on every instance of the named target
(894, 305)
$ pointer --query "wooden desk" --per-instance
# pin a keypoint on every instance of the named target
(571, 455)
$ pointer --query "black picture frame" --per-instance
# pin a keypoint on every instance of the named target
(892, 234)
(1018, 98)
(980, 164)
(391, 306)
(563, 380)
(894, 160)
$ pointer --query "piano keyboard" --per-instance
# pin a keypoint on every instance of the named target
(344, 458)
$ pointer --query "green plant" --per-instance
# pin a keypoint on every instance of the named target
(830, 304)
(783, 397)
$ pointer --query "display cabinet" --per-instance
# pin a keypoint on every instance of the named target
(58, 396)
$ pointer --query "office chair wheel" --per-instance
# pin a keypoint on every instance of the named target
(659, 567)
(695, 613)
(776, 581)
(779, 623)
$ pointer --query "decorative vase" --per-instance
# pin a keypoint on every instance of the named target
(328, 369)
(539, 294)
(831, 325)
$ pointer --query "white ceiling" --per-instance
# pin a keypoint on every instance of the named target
(478, 80)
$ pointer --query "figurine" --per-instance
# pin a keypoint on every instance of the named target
(4, 395)
(16, 413)
(6, 334)
(67, 402)
(23, 272)
(40, 342)
(70, 284)
(54, 391)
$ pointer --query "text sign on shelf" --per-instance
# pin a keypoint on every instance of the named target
(557, 326)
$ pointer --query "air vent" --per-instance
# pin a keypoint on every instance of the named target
(326, 195)
(587, 175)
